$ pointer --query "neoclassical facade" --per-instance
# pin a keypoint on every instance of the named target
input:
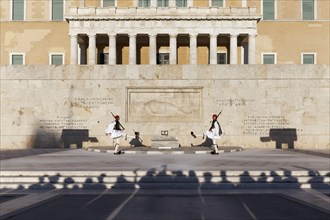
(116, 32)
(163, 32)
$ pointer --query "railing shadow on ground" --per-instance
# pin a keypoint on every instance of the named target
(162, 179)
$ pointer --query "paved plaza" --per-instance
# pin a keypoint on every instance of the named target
(81, 159)
(165, 186)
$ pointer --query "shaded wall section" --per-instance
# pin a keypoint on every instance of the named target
(257, 100)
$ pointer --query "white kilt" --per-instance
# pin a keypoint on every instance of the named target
(211, 135)
(116, 134)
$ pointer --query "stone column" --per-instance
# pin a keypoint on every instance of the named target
(190, 3)
(153, 3)
(92, 49)
(252, 49)
(171, 3)
(233, 49)
(112, 49)
(213, 49)
(132, 49)
(74, 49)
(152, 48)
(173, 49)
(193, 48)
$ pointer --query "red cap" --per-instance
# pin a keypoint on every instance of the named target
(116, 116)
(216, 116)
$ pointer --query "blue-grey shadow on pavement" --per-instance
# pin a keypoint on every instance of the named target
(135, 203)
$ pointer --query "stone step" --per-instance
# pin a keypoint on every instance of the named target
(22, 186)
(132, 173)
(161, 179)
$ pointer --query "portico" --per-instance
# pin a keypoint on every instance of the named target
(125, 36)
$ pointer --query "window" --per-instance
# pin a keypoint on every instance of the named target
(17, 59)
(162, 3)
(308, 58)
(268, 58)
(217, 3)
(163, 58)
(144, 3)
(57, 9)
(56, 59)
(308, 10)
(108, 3)
(181, 3)
(268, 8)
(104, 58)
(18, 10)
(244, 3)
(221, 58)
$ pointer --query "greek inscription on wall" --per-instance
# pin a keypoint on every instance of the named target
(91, 102)
(234, 102)
(55, 126)
(260, 125)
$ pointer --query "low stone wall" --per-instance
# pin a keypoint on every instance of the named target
(70, 106)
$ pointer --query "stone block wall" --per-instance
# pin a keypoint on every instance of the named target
(263, 106)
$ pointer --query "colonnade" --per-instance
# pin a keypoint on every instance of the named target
(92, 59)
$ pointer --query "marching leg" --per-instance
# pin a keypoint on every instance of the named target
(215, 146)
(117, 147)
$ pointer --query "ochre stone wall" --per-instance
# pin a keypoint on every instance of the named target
(288, 36)
(263, 105)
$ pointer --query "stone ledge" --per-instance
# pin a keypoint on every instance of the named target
(181, 150)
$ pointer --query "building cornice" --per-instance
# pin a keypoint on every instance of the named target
(191, 13)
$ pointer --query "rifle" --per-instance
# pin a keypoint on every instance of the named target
(118, 121)
(219, 113)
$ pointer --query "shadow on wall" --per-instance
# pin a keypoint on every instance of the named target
(76, 137)
(281, 136)
(44, 139)
(69, 138)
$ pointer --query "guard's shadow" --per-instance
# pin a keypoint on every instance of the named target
(136, 141)
(207, 143)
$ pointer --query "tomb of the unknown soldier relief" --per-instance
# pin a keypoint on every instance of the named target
(263, 106)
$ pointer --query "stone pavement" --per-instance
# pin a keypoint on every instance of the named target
(81, 159)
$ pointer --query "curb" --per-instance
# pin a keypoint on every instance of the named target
(165, 151)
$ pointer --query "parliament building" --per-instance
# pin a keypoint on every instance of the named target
(143, 32)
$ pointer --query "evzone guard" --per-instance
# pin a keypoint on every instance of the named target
(115, 130)
(214, 133)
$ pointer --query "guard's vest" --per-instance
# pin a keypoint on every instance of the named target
(117, 126)
(220, 129)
